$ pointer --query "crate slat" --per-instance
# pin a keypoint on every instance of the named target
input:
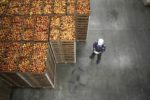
(64, 49)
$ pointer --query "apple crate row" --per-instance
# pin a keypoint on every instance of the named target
(26, 28)
(61, 28)
(29, 7)
(37, 28)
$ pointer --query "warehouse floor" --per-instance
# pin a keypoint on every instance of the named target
(124, 71)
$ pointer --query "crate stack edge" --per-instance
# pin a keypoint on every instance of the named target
(82, 21)
(45, 79)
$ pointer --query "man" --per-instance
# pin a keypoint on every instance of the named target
(98, 49)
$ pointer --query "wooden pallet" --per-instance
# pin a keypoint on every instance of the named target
(64, 51)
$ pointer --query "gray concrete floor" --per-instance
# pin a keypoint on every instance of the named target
(124, 71)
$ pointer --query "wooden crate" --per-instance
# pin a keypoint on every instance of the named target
(64, 51)
(34, 80)
(5, 90)
(41, 80)
(81, 27)
(45, 79)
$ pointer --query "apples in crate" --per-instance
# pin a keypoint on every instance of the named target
(24, 9)
(26, 1)
(60, 7)
(8, 56)
(29, 22)
(14, 3)
(15, 33)
(83, 6)
(42, 23)
(71, 9)
(47, 9)
(26, 49)
(27, 34)
(5, 22)
(48, 1)
(2, 9)
(55, 22)
(24, 64)
(54, 34)
(41, 36)
(72, 1)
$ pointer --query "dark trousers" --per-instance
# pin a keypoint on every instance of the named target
(98, 56)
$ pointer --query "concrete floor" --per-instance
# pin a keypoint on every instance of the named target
(124, 71)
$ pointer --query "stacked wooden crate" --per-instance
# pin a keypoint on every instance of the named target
(82, 19)
(62, 38)
(28, 65)
(65, 48)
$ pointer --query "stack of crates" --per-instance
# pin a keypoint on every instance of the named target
(29, 68)
(64, 43)
(26, 25)
(82, 19)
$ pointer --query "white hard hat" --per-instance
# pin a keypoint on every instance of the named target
(100, 42)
